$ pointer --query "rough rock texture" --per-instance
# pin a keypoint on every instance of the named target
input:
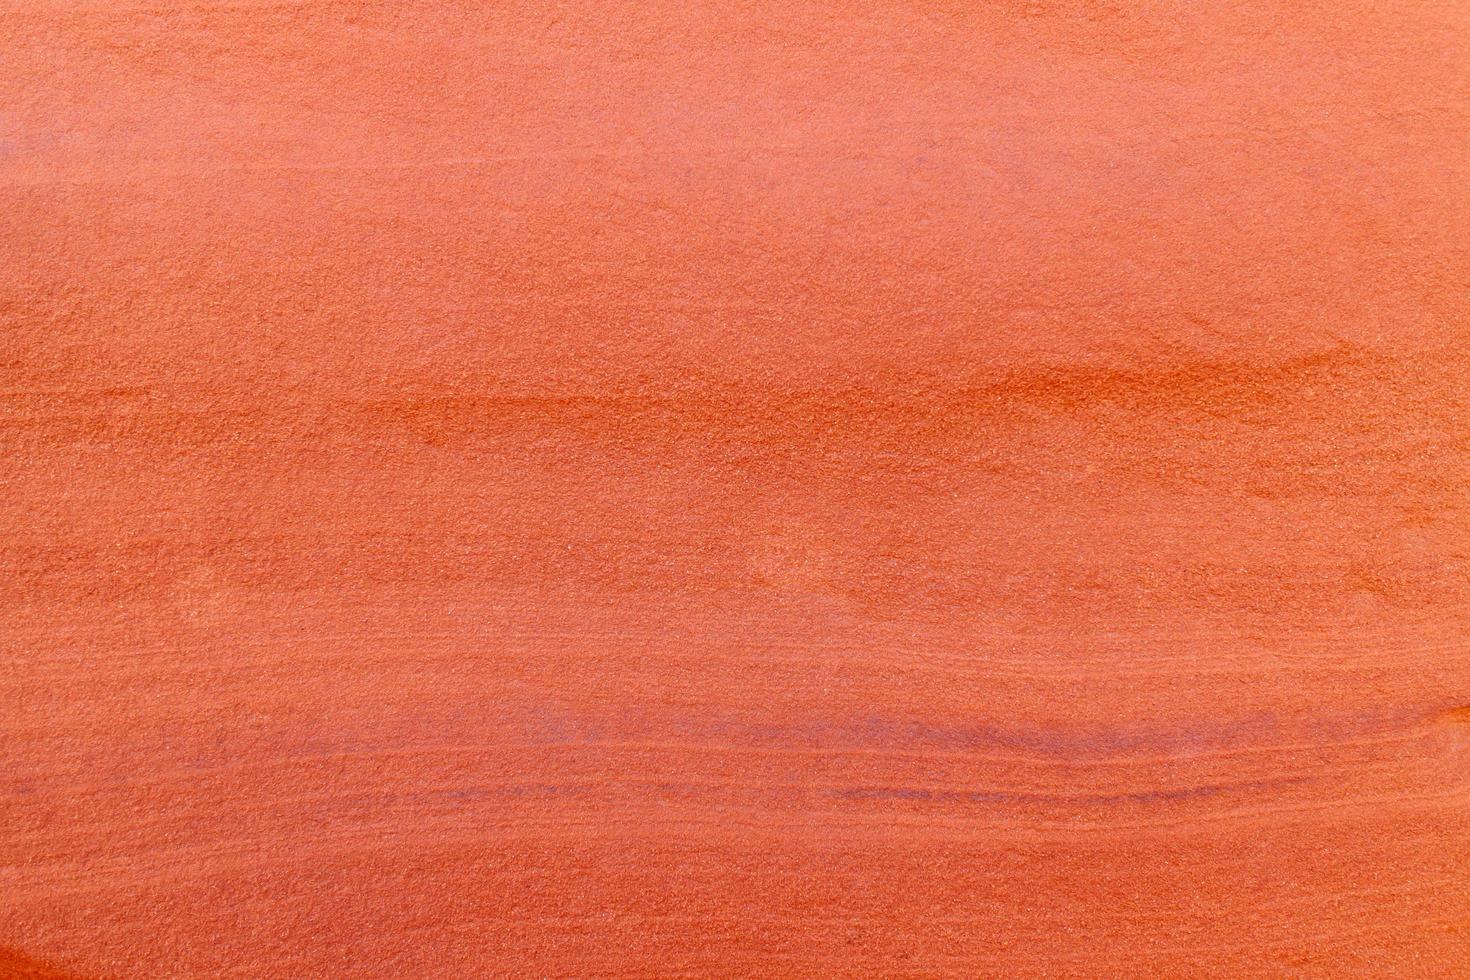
(816, 488)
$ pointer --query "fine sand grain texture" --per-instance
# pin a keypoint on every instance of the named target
(739, 489)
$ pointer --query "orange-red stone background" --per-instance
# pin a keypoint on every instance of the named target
(734, 488)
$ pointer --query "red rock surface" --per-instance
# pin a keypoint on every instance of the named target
(765, 489)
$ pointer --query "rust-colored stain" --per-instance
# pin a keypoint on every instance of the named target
(734, 489)
(18, 966)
